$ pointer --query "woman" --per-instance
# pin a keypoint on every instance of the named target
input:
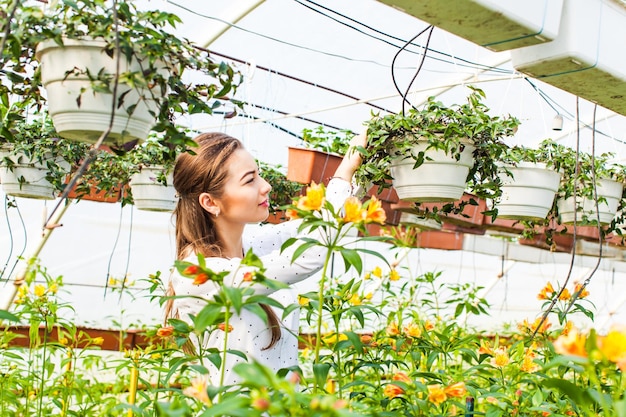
(220, 192)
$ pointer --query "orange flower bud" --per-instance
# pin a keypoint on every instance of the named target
(261, 404)
(402, 377)
(456, 390)
(222, 327)
(248, 276)
(200, 279)
(165, 331)
(191, 270)
(392, 391)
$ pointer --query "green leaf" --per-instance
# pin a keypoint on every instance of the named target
(5, 315)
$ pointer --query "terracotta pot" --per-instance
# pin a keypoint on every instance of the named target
(310, 165)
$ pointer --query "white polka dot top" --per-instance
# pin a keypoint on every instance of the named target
(250, 334)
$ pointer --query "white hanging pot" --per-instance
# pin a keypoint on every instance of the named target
(25, 178)
(610, 190)
(529, 193)
(82, 114)
(440, 178)
(151, 195)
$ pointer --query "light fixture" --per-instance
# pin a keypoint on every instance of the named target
(557, 122)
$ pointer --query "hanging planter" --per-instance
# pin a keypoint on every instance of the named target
(609, 194)
(152, 189)
(410, 148)
(528, 191)
(22, 176)
(440, 178)
(310, 165)
(81, 113)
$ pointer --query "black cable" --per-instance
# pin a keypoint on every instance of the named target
(544, 317)
(419, 68)
(130, 238)
(550, 102)
(21, 254)
(577, 293)
(249, 116)
(11, 242)
(474, 65)
(306, 119)
(291, 77)
(117, 239)
(393, 62)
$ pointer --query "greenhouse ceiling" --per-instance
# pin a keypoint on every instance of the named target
(333, 64)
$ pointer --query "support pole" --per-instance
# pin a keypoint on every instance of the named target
(235, 13)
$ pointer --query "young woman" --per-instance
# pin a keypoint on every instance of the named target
(220, 192)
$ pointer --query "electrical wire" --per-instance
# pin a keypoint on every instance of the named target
(473, 65)
(11, 243)
(306, 119)
(115, 242)
(419, 68)
(128, 252)
(291, 77)
(577, 293)
(21, 253)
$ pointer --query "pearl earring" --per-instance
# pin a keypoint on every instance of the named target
(217, 214)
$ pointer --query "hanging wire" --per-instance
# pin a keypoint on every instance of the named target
(117, 239)
(544, 317)
(576, 294)
(128, 252)
(93, 152)
(21, 253)
(419, 68)
(393, 64)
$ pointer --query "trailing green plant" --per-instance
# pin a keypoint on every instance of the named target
(167, 62)
(445, 128)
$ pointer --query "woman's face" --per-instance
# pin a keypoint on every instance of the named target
(246, 194)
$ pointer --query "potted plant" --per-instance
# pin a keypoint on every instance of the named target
(319, 158)
(463, 138)
(529, 182)
(34, 161)
(283, 190)
(152, 79)
(591, 191)
(150, 166)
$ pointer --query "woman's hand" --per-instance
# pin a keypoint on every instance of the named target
(352, 159)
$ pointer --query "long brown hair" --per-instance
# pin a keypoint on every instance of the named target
(204, 171)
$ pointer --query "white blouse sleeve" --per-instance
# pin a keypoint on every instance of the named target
(279, 266)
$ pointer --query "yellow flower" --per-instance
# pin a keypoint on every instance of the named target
(98, 341)
(377, 272)
(582, 292)
(546, 292)
(331, 386)
(572, 343)
(392, 329)
(333, 338)
(413, 330)
(354, 213)
(113, 282)
(393, 275)
(436, 394)
(392, 391)
(500, 357)
(368, 296)
(402, 377)
(52, 289)
(613, 345)
(355, 300)
(314, 198)
(198, 390)
(456, 390)
(303, 301)
(528, 364)
(565, 295)
(40, 290)
(375, 212)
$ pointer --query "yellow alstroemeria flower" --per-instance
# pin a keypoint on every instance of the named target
(198, 390)
(377, 272)
(314, 198)
(436, 394)
(572, 343)
(394, 275)
(375, 212)
(355, 300)
(40, 290)
(613, 345)
(500, 357)
(354, 212)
